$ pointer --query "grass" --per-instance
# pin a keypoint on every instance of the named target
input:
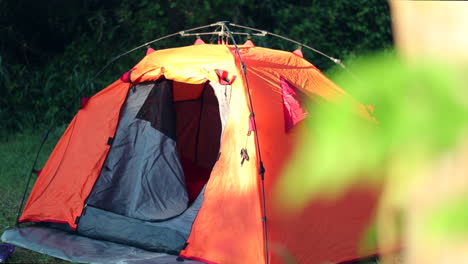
(17, 153)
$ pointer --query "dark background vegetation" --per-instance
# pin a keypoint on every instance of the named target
(49, 49)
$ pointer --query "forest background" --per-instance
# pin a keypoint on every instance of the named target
(50, 51)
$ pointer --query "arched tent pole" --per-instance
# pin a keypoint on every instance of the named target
(300, 44)
(222, 25)
(31, 172)
(264, 32)
(261, 170)
(261, 33)
(181, 33)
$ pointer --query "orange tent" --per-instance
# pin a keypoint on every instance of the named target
(207, 121)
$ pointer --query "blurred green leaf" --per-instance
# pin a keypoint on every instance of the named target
(421, 111)
(448, 220)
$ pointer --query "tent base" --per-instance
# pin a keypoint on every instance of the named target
(76, 248)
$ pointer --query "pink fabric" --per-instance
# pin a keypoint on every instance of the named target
(251, 124)
(126, 76)
(199, 41)
(150, 50)
(223, 77)
(292, 108)
(249, 43)
(299, 53)
(84, 101)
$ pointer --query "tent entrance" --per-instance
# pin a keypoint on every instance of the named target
(151, 184)
(198, 130)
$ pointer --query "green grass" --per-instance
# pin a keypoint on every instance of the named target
(17, 153)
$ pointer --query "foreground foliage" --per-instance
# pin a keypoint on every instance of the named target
(418, 138)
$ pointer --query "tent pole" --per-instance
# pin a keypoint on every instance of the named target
(148, 43)
(257, 143)
(44, 139)
(335, 60)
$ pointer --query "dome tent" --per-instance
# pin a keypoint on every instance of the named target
(181, 156)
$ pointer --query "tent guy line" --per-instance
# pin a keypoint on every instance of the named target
(222, 33)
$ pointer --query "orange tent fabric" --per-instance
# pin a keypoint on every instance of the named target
(75, 163)
(229, 226)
